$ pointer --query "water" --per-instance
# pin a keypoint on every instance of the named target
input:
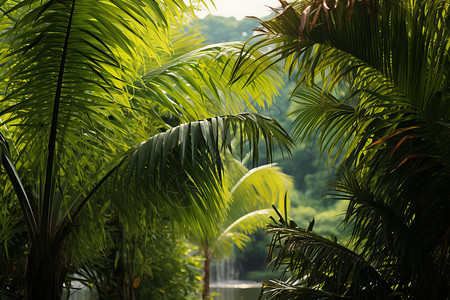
(232, 290)
(235, 290)
(225, 284)
(79, 292)
(224, 271)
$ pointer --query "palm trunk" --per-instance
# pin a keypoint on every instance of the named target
(45, 273)
(207, 257)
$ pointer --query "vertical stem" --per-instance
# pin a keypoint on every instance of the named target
(46, 217)
(206, 265)
(45, 274)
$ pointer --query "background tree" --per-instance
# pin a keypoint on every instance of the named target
(81, 115)
(393, 131)
(218, 29)
(248, 194)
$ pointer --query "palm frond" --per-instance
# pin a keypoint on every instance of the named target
(392, 56)
(259, 187)
(277, 289)
(386, 230)
(193, 86)
(72, 76)
(68, 68)
(238, 232)
(178, 170)
(366, 45)
(13, 176)
(308, 257)
(244, 192)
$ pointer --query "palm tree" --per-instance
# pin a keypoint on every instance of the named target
(86, 87)
(393, 130)
(248, 195)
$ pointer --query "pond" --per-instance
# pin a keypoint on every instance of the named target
(230, 290)
(236, 290)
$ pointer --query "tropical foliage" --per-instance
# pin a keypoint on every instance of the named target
(141, 264)
(306, 165)
(248, 195)
(100, 102)
(393, 130)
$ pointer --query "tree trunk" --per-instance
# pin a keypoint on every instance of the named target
(207, 257)
(45, 273)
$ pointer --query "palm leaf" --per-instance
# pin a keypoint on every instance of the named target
(308, 257)
(81, 82)
(193, 85)
(238, 232)
(72, 104)
(252, 191)
(244, 191)
(177, 170)
(277, 289)
(369, 54)
(66, 82)
(18, 185)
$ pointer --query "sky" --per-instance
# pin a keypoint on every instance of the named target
(242, 8)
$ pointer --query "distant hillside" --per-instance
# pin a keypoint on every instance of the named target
(219, 29)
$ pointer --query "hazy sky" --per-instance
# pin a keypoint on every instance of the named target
(242, 8)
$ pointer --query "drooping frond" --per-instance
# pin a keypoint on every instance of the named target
(259, 187)
(246, 194)
(238, 232)
(323, 265)
(76, 103)
(293, 290)
(368, 40)
(66, 74)
(388, 233)
(369, 46)
(84, 81)
(330, 121)
(178, 170)
(10, 169)
(69, 65)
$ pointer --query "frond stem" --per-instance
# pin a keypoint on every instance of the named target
(46, 217)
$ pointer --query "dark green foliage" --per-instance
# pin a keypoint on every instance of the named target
(310, 175)
(175, 273)
(254, 256)
(393, 132)
(13, 247)
(313, 260)
(155, 265)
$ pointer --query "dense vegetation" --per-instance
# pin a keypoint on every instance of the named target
(247, 196)
(393, 133)
(113, 156)
(109, 134)
(306, 165)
